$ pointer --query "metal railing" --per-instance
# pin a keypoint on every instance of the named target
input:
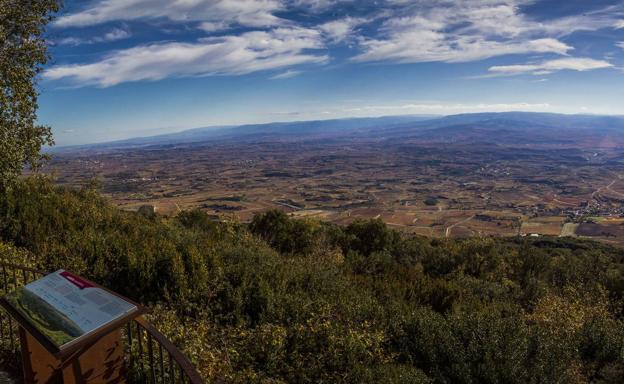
(150, 356)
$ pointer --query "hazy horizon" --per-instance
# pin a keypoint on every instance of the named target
(156, 133)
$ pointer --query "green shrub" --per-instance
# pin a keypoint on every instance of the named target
(297, 300)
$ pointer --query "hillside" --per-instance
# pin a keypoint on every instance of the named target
(292, 130)
(503, 128)
(285, 300)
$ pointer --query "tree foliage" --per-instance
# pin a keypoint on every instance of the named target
(23, 51)
(287, 300)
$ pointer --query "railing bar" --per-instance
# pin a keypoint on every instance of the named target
(129, 334)
(182, 375)
(1, 326)
(171, 369)
(150, 351)
(139, 337)
(162, 363)
(11, 334)
(14, 278)
(25, 276)
(182, 361)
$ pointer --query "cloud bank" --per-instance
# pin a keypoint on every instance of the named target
(244, 36)
(228, 55)
(254, 13)
(572, 64)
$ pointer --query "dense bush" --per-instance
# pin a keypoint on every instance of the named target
(289, 300)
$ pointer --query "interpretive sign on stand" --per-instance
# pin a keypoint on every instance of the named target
(65, 308)
(70, 329)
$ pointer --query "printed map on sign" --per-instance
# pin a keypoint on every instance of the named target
(65, 307)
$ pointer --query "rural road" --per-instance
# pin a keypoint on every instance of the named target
(287, 205)
(448, 229)
(606, 187)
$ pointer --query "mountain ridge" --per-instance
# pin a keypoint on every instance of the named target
(468, 127)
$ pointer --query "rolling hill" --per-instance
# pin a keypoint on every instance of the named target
(506, 128)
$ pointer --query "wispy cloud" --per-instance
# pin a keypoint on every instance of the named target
(550, 66)
(255, 13)
(228, 55)
(340, 30)
(620, 44)
(395, 31)
(318, 5)
(286, 75)
(114, 35)
(469, 30)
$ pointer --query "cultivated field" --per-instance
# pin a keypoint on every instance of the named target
(454, 190)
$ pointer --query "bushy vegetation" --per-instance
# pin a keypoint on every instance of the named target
(23, 52)
(287, 300)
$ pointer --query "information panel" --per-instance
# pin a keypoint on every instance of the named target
(65, 307)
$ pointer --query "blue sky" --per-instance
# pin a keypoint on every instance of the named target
(127, 68)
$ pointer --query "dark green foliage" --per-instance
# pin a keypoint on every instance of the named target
(23, 52)
(297, 300)
(367, 237)
(300, 237)
(431, 201)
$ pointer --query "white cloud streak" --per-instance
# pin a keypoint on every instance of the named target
(113, 35)
(286, 75)
(546, 67)
(469, 30)
(400, 31)
(229, 55)
(253, 13)
(340, 30)
(318, 5)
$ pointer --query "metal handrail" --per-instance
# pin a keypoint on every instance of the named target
(151, 356)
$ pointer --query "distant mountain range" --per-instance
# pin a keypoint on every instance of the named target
(506, 128)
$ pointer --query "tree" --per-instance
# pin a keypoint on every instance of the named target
(23, 52)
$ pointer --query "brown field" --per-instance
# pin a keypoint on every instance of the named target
(462, 190)
(603, 230)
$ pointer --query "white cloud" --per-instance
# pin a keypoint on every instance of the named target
(425, 46)
(340, 30)
(213, 26)
(469, 30)
(71, 41)
(113, 35)
(116, 34)
(254, 13)
(228, 55)
(546, 67)
(318, 5)
(406, 31)
(620, 44)
(286, 75)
